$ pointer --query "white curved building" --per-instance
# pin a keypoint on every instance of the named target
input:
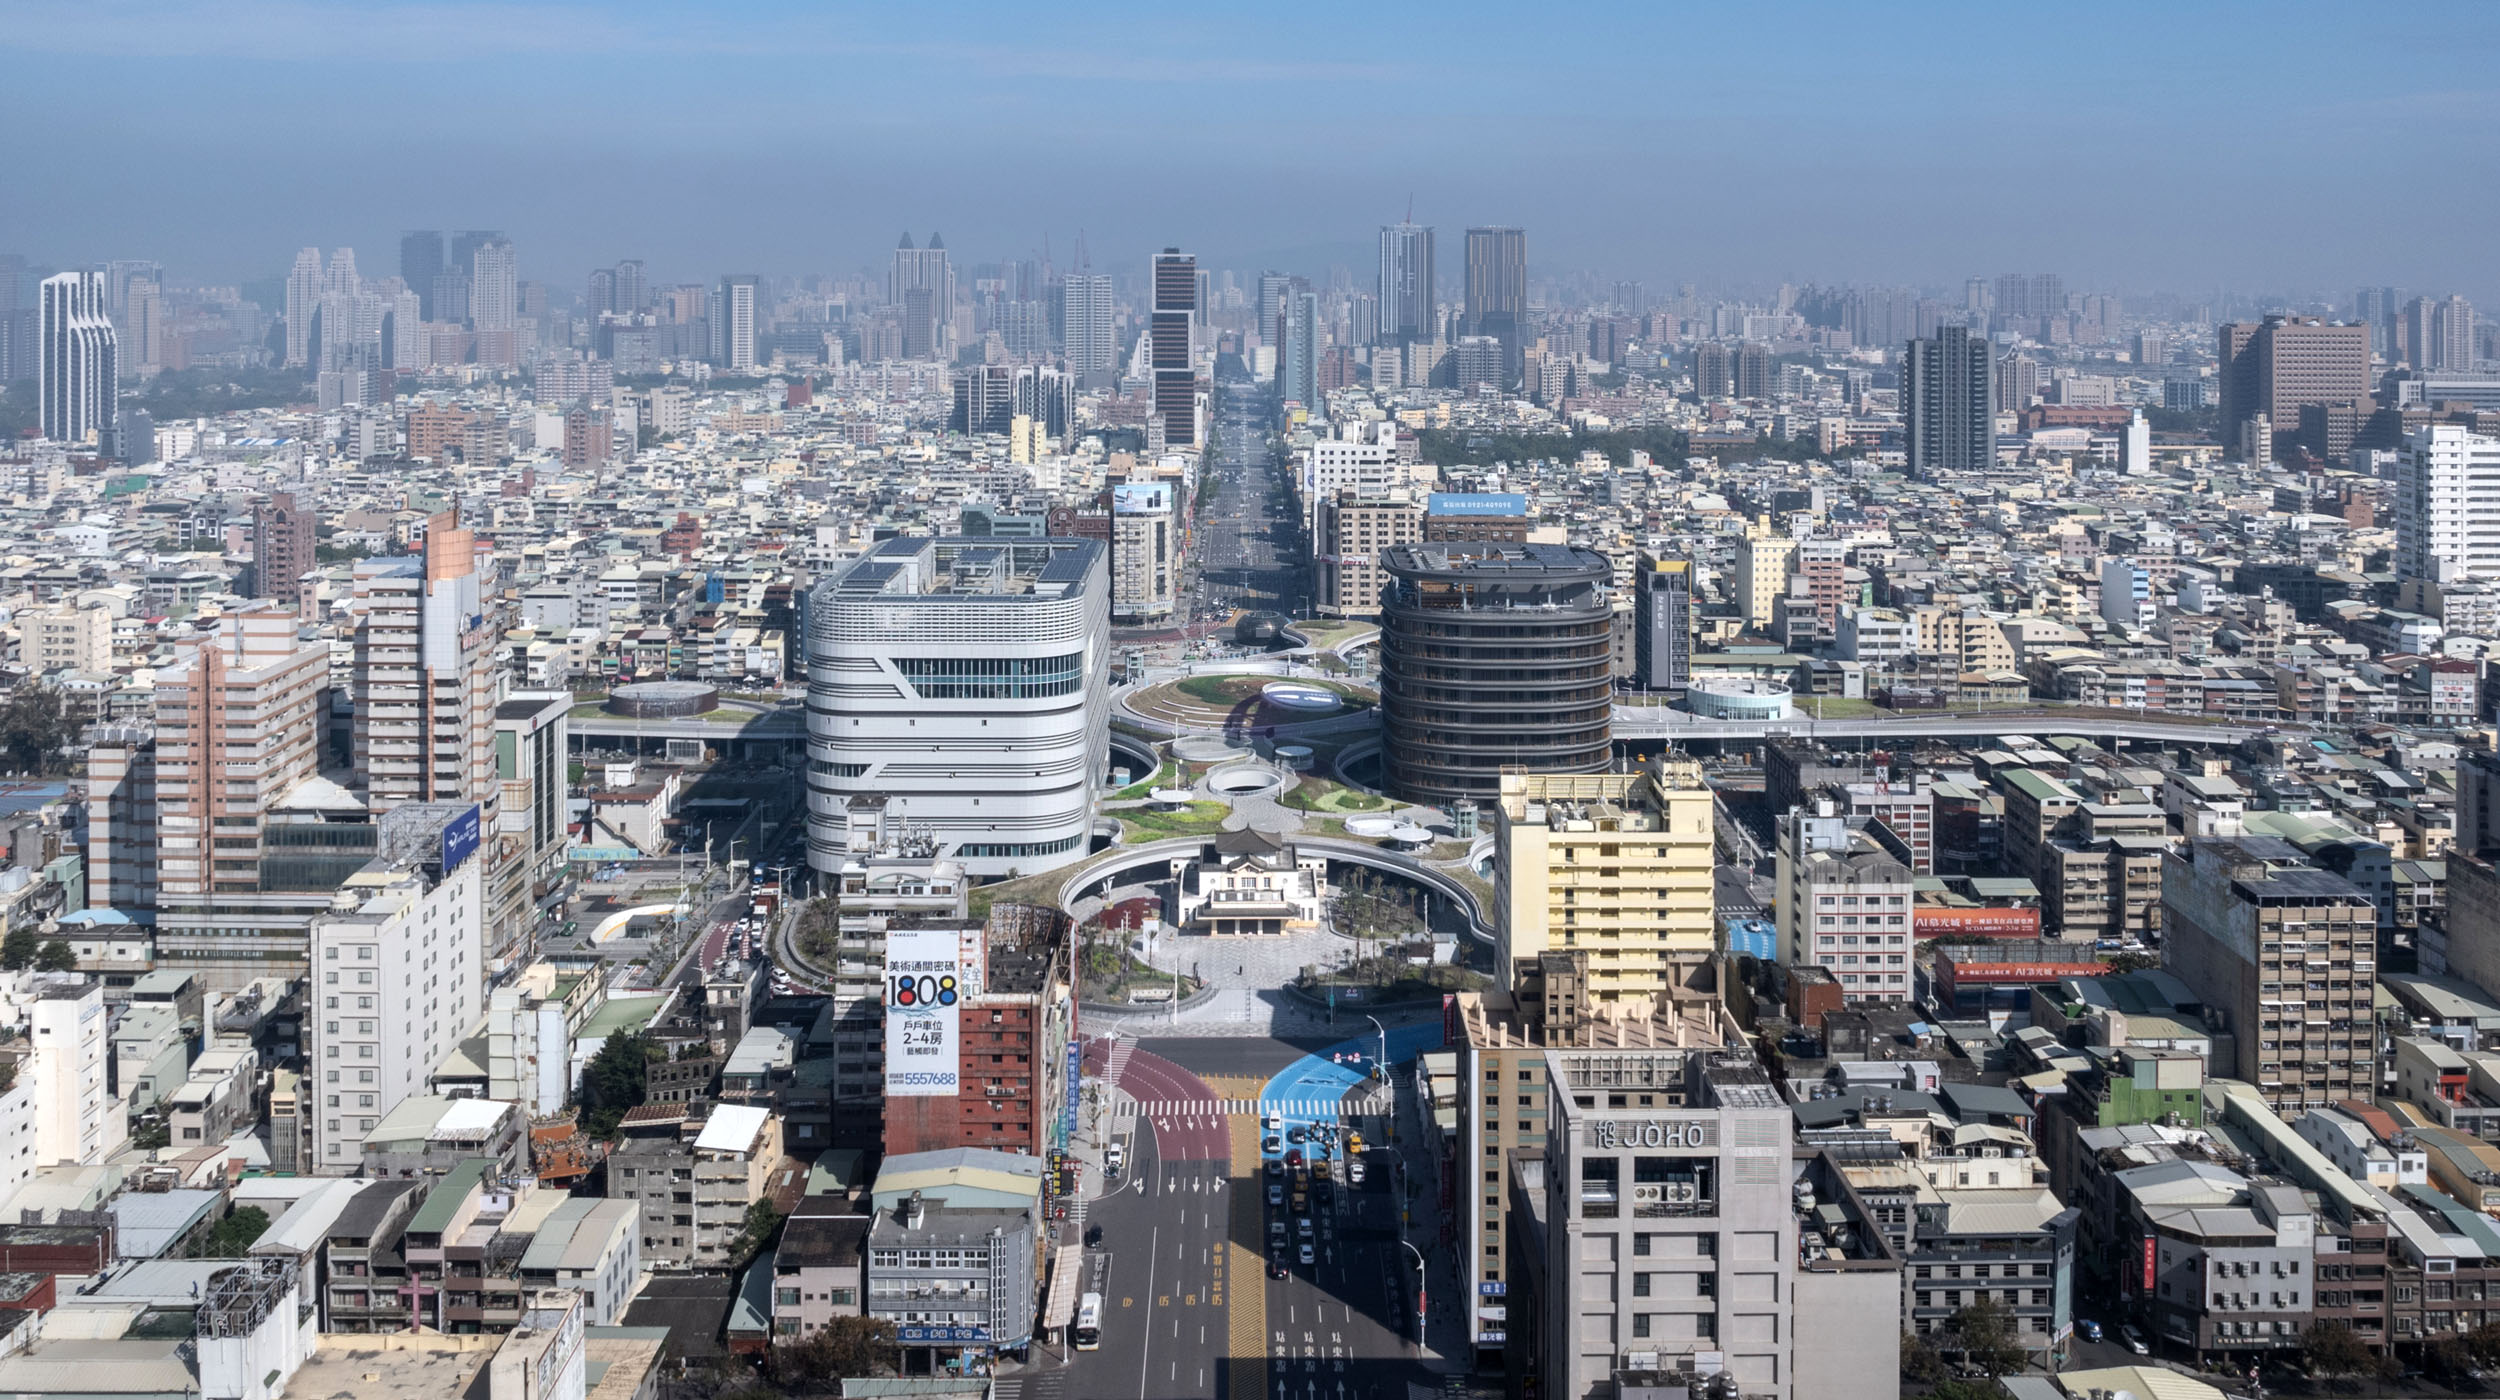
(963, 684)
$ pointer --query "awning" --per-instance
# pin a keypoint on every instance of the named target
(1067, 1264)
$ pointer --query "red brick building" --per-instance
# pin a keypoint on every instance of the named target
(1012, 1048)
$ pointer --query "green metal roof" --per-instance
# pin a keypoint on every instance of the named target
(434, 1216)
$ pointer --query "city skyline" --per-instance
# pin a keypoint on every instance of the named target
(1829, 164)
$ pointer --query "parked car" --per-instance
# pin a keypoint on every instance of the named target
(2134, 1340)
(2091, 1330)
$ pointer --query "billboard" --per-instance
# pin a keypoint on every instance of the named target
(460, 836)
(1493, 503)
(1973, 921)
(1141, 497)
(924, 994)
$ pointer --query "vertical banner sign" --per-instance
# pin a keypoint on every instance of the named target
(923, 1004)
(1076, 1072)
(2148, 1266)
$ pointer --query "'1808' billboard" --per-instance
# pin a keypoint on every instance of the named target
(924, 992)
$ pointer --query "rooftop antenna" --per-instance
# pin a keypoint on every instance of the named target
(1410, 206)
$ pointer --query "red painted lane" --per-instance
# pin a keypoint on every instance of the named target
(1184, 1137)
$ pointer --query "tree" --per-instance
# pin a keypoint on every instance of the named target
(2333, 1349)
(2132, 962)
(843, 1347)
(18, 949)
(617, 1079)
(1919, 1360)
(56, 956)
(1984, 1335)
(34, 724)
(762, 1223)
(232, 1235)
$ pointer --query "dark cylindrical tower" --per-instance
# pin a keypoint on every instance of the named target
(1493, 656)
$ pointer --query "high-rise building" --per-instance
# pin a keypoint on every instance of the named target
(1753, 370)
(2017, 382)
(1500, 1047)
(1274, 287)
(283, 537)
(143, 325)
(1714, 372)
(962, 684)
(1170, 323)
(1349, 531)
(1092, 351)
(734, 322)
(495, 302)
(2448, 506)
(303, 295)
(420, 262)
(1762, 567)
(1705, 1278)
(1948, 417)
(2023, 300)
(932, 320)
(241, 809)
(1466, 693)
(1476, 362)
(2276, 366)
(461, 254)
(1406, 287)
(2376, 307)
(1497, 289)
(1662, 624)
(1297, 352)
(1842, 902)
(398, 973)
(2451, 338)
(80, 369)
(1616, 864)
(531, 757)
(985, 400)
(425, 679)
(1045, 396)
(2238, 915)
(1145, 551)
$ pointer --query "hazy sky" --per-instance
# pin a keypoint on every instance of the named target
(2273, 146)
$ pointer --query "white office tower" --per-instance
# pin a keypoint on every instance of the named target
(425, 677)
(2448, 506)
(303, 293)
(1086, 308)
(2135, 446)
(964, 681)
(1670, 1237)
(734, 332)
(494, 286)
(76, 1119)
(398, 975)
(78, 361)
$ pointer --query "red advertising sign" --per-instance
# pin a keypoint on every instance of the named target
(2148, 1265)
(1941, 921)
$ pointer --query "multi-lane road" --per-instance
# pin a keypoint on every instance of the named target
(1192, 1306)
(1242, 558)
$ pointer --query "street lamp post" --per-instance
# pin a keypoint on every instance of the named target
(1422, 1297)
(1382, 1064)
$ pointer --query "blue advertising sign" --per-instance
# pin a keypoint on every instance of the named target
(926, 1335)
(460, 837)
(1501, 503)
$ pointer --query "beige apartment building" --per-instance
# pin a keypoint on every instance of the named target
(1349, 531)
(1617, 864)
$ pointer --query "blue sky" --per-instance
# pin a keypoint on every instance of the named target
(2259, 147)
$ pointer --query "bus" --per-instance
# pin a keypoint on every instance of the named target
(1087, 1333)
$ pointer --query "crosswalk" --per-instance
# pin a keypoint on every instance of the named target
(1228, 1108)
(1117, 1063)
(1040, 1385)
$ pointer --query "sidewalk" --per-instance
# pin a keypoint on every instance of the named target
(1448, 1348)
